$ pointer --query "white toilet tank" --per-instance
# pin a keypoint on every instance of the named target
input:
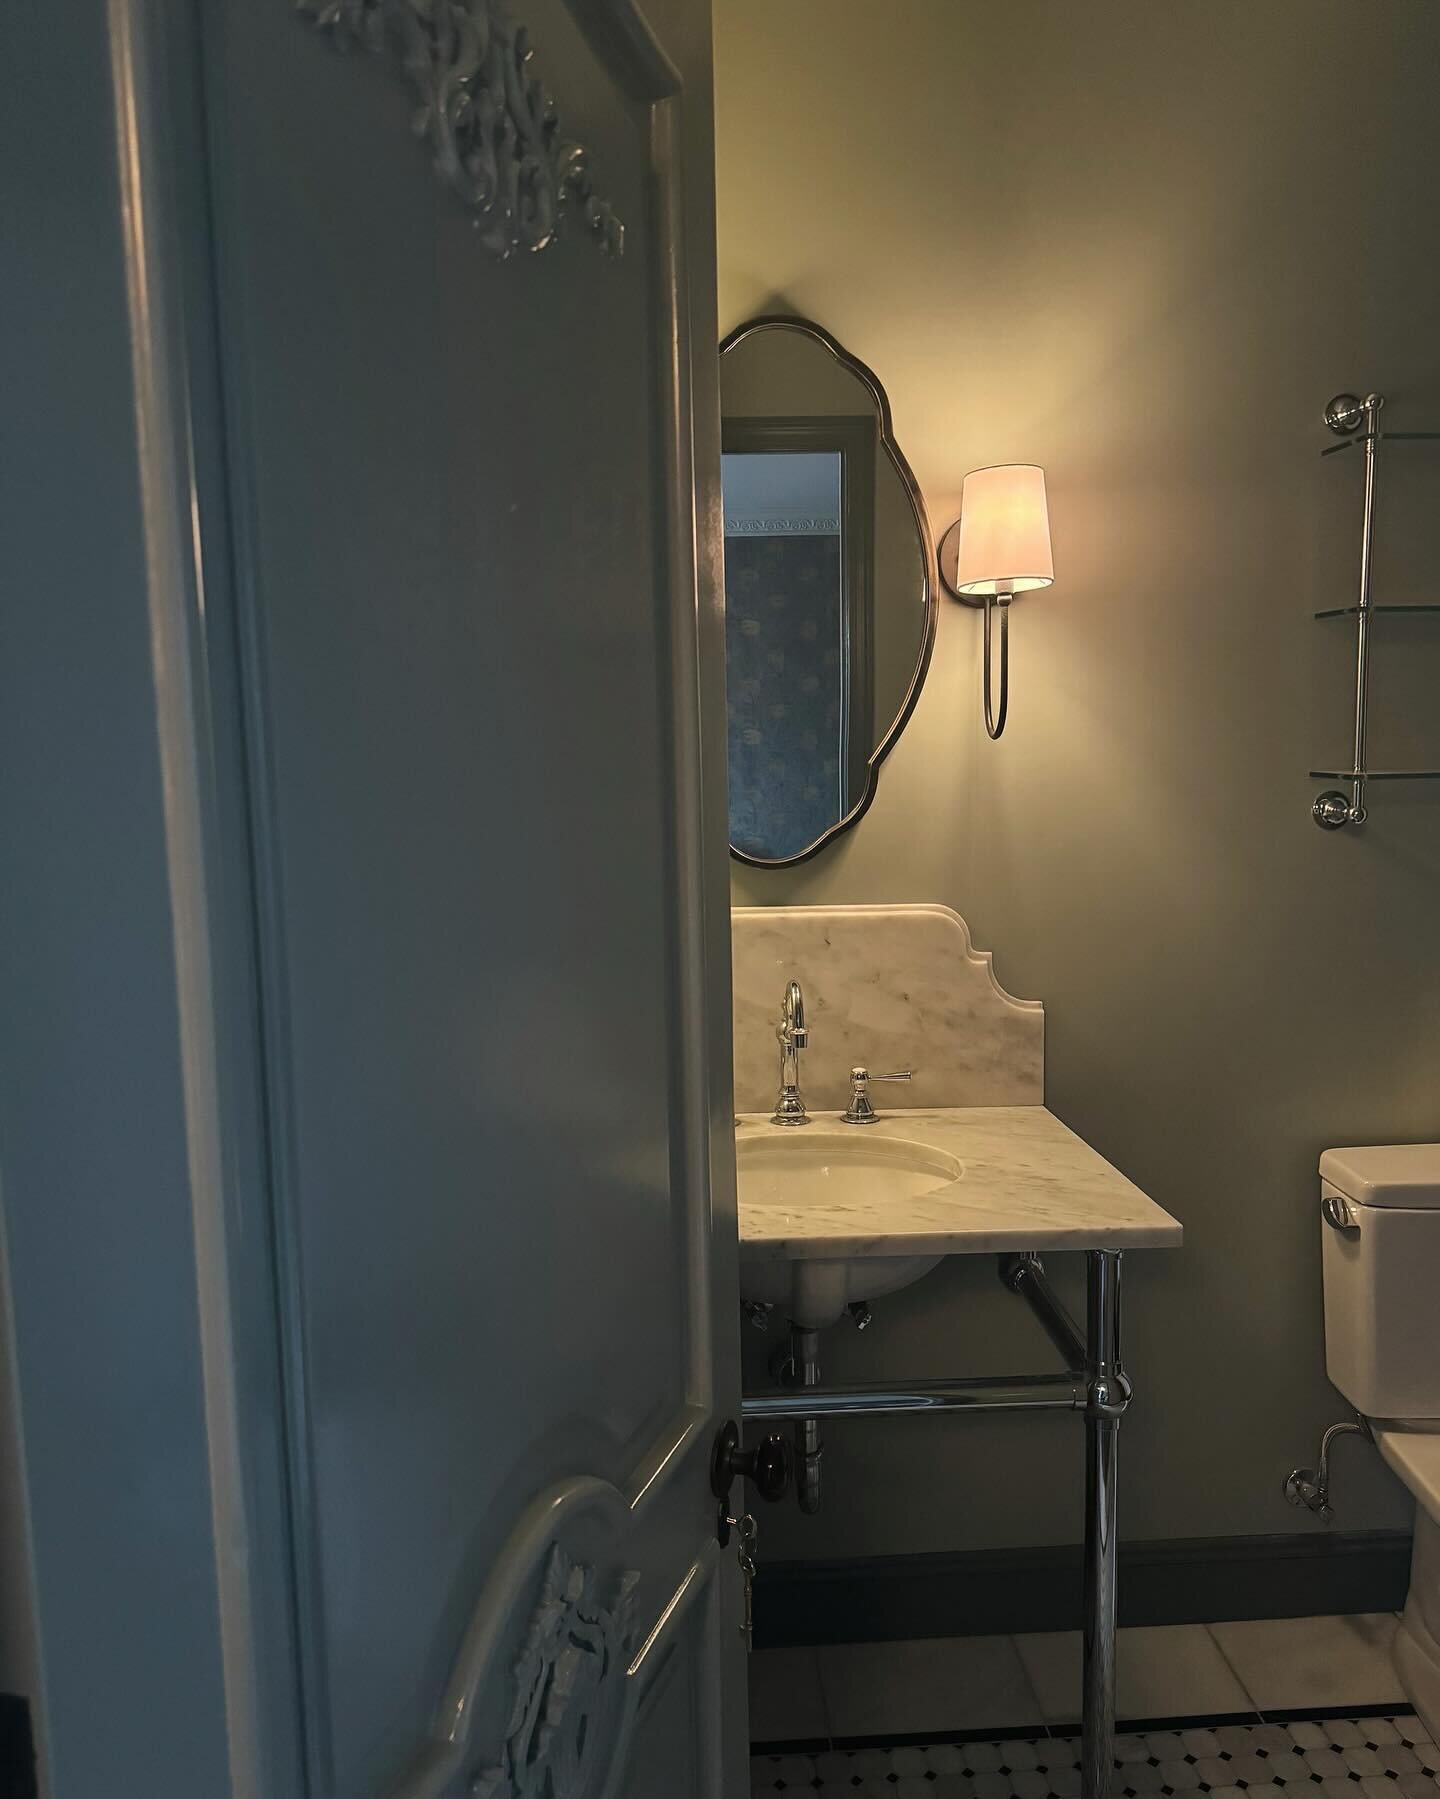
(1381, 1238)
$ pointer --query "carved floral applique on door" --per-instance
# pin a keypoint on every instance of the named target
(493, 130)
(570, 1688)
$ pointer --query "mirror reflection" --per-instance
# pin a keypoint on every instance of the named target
(829, 589)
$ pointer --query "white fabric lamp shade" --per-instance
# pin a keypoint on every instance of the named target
(1004, 542)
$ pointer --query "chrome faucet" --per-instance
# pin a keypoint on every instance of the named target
(792, 1036)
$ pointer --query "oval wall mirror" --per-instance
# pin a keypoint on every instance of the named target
(830, 590)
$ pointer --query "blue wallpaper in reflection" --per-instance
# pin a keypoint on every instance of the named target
(784, 630)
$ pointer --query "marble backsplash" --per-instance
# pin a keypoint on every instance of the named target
(888, 987)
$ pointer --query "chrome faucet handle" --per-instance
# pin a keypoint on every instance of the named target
(860, 1111)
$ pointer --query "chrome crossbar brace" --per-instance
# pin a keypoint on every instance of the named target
(1094, 1383)
(997, 1393)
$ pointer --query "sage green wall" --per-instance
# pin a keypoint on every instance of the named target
(1141, 245)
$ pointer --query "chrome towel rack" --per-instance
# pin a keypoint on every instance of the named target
(1357, 421)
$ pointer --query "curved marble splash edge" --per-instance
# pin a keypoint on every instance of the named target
(889, 987)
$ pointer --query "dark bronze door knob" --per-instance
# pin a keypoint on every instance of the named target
(767, 1467)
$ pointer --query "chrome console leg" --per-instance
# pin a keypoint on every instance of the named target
(1107, 1394)
(808, 1447)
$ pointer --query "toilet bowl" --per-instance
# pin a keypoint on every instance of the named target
(1415, 1457)
(1380, 1208)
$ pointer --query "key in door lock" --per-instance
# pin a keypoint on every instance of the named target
(767, 1467)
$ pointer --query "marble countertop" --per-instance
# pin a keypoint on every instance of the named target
(1028, 1183)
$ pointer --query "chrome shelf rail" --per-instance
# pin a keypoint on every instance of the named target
(1375, 774)
(1357, 422)
(1390, 437)
(1421, 609)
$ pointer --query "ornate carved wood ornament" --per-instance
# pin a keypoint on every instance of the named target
(493, 129)
(570, 1680)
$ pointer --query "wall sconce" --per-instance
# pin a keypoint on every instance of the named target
(998, 547)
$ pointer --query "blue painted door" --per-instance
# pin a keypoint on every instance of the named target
(365, 1129)
(476, 627)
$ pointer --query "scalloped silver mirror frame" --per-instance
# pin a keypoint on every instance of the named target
(772, 321)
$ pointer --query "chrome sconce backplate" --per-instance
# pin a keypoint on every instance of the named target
(946, 554)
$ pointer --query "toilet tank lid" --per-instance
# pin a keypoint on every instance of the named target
(1386, 1174)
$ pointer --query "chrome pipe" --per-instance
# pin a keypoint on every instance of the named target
(1025, 1274)
(1107, 1394)
(986, 1393)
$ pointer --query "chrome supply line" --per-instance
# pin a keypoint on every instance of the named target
(1310, 1487)
(1094, 1384)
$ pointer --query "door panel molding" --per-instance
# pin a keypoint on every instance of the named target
(621, 35)
(165, 474)
(268, 947)
(154, 68)
(673, 1614)
(554, 1640)
(691, 989)
(667, 1452)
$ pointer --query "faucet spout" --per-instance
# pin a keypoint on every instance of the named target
(792, 1013)
(793, 1037)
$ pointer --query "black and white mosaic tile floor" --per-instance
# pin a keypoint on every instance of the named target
(1388, 1757)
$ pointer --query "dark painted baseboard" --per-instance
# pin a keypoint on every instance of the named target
(1193, 1580)
(1035, 1733)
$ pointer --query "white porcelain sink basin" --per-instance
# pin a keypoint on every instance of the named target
(853, 1177)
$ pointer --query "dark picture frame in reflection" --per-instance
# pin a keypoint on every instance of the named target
(830, 587)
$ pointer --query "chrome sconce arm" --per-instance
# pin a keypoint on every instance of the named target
(995, 721)
(998, 547)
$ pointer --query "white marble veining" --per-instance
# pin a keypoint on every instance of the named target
(887, 987)
(1027, 1182)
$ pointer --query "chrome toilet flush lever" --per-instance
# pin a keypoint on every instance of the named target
(860, 1110)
